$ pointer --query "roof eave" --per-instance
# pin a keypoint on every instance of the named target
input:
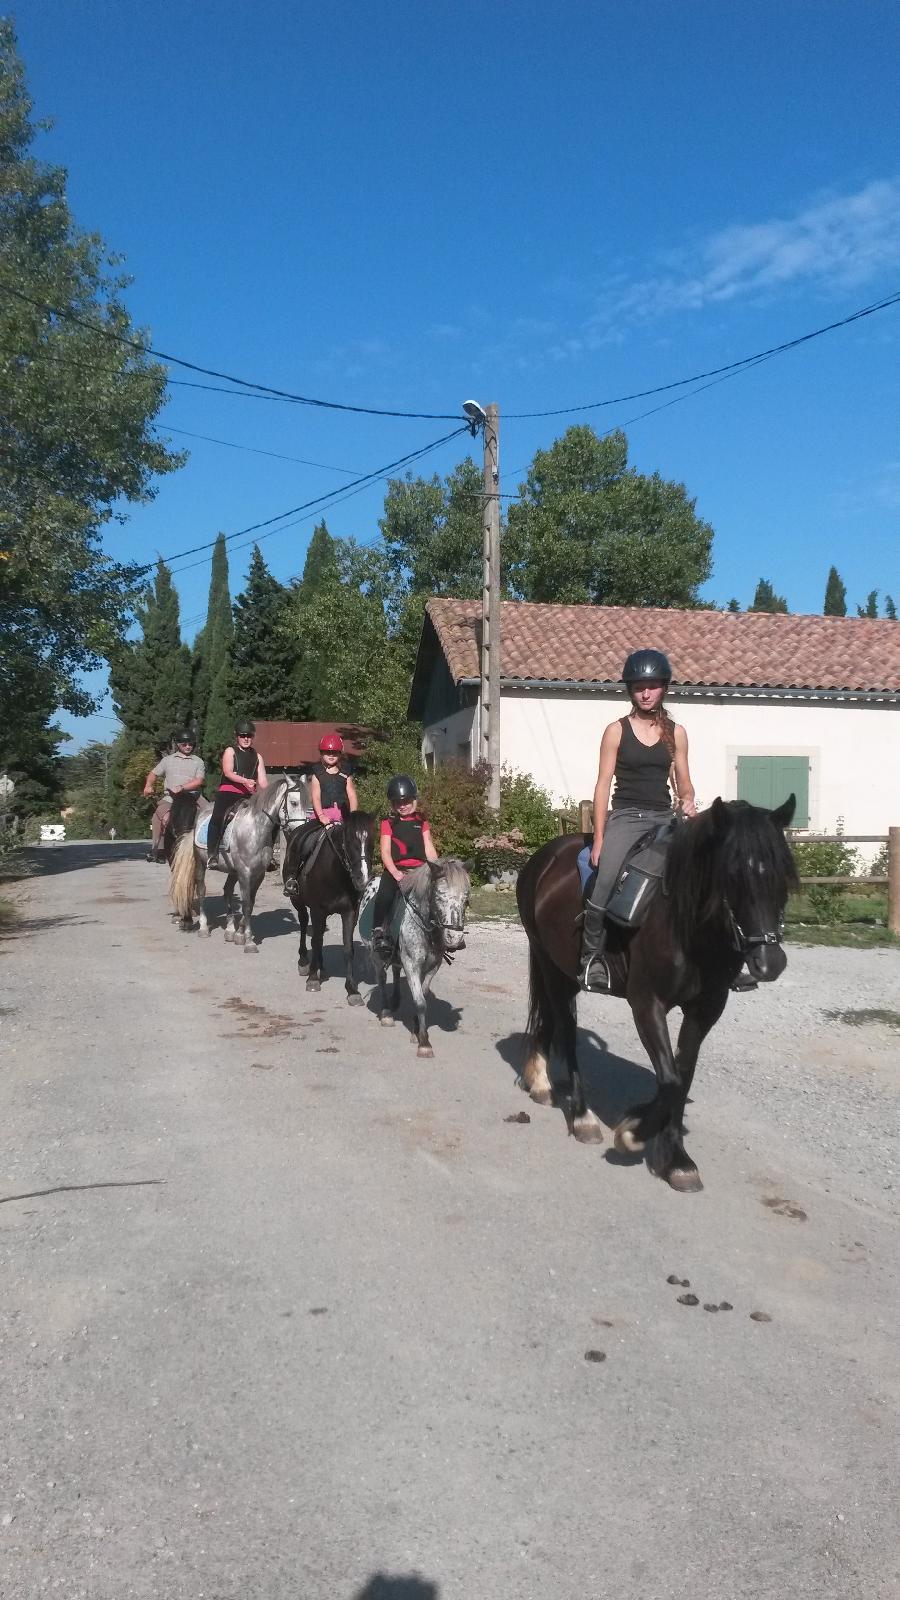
(727, 691)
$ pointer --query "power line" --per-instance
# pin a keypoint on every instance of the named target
(255, 450)
(714, 372)
(362, 482)
(226, 377)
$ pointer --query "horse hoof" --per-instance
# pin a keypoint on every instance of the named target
(240, 938)
(625, 1138)
(587, 1128)
(229, 936)
(303, 968)
(251, 947)
(386, 1020)
(354, 999)
(425, 1052)
(686, 1180)
(313, 986)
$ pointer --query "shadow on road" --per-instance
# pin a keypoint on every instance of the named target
(439, 1013)
(612, 1084)
(49, 860)
(385, 1586)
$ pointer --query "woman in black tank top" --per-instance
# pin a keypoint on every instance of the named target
(645, 755)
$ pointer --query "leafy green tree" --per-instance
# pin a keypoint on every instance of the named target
(432, 538)
(76, 440)
(765, 598)
(590, 529)
(263, 657)
(835, 595)
(733, 606)
(870, 609)
(890, 610)
(212, 655)
(151, 676)
(342, 629)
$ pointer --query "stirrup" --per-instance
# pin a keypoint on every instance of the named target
(743, 983)
(382, 944)
(595, 976)
(290, 886)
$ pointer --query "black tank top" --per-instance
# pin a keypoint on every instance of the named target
(333, 787)
(246, 765)
(407, 840)
(642, 773)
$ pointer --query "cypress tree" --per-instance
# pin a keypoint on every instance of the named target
(890, 610)
(870, 609)
(835, 595)
(151, 676)
(765, 598)
(212, 653)
(263, 659)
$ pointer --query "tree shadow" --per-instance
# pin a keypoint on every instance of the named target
(275, 924)
(47, 861)
(612, 1083)
(29, 927)
(393, 1586)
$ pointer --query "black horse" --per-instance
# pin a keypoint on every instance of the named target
(727, 880)
(181, 819)
(331, 881)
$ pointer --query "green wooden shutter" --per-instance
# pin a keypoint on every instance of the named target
(768, 780)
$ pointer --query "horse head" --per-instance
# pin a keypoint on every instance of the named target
(359, 838)
(449, 899)
(756, 871)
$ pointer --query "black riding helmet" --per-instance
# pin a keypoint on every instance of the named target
(402, 789)
(184, 736)
(644, 664)
(244, 729)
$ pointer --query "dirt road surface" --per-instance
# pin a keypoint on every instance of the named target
(289, 1314)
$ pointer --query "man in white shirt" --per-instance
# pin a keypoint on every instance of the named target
(182, 769)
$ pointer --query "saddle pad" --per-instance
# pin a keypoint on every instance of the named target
(366, 920)
(200, 832)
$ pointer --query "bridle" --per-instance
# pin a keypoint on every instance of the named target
(431, 925)
(744, 943)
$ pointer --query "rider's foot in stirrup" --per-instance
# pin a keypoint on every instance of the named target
(382, 944)
(743, 983)
(290, 886)
(595, 976)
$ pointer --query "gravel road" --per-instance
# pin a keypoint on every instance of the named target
(289, 1314)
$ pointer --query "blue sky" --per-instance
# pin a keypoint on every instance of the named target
(538, 204)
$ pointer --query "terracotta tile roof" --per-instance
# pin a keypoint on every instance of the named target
(588, 644)
(296, 744)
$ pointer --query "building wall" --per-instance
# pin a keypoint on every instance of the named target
(853, 750)
(452, 738)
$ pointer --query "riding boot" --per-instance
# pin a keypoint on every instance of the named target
(594, 972)
(743, 983)
(290, 886)
(382, 943)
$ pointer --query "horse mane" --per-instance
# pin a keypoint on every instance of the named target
(733, 846)
(449, 870)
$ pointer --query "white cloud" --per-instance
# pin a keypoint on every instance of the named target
(837, 242)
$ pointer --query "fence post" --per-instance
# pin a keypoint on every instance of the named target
(586, 816)
(894, 881)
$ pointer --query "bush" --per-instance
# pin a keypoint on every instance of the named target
(821, 859)
(382, 759)
(453, 799)
(526, 806)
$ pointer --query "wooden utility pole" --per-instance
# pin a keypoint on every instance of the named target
(894, 881)
(490, 607)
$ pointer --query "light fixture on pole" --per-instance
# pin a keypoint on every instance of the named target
(487, 420)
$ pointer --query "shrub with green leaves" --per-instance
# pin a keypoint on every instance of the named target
(820, 858)
(526, 806)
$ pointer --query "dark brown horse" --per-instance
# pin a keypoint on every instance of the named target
(728, 876)
(332, 881)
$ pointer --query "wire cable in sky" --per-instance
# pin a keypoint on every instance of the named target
(727, 370)
(362, 482)
(226, 377)
(255, 450)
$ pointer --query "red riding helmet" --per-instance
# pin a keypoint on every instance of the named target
(331, 744)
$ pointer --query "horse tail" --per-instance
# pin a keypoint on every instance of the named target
(184, 877)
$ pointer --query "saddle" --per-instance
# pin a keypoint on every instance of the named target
(200, 835)
(366, 920)
(308, 848)
(640, 877)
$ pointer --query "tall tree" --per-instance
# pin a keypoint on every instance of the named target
(263, 657)
(765, 598)
(320, 562)
(870, 609)
(212, 653)
(432, 537)
(890, 610)
(151, 676)
(76, 440)
(835, 595)
(590, 529)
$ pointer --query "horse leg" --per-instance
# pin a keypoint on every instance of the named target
(385, 1013)
(250, 883)
(348, 925)
(230, 913)
(302, 953)
(200, 894)
(418, 993)
(541, 1026)
(651, 1124)
(669, 1157)
(317, 937)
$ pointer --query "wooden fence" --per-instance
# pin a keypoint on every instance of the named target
(582, 821)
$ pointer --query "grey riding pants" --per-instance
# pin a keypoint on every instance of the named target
(623, 829)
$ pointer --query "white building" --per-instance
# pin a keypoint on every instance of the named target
(771, 703)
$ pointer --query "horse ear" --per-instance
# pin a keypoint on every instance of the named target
(720, 819)
(783, 816)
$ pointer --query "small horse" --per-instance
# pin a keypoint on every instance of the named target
(331, 882)
(433, 928)
(250, 843)
(727, 880)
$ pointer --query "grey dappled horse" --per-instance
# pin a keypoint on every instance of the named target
(433, 927)
(250, 843)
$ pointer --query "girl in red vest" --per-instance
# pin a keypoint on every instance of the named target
(406, 842)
